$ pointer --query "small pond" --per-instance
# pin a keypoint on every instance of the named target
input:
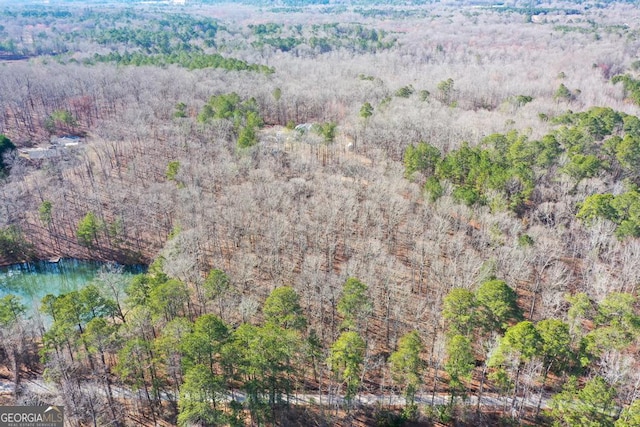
(34, 280)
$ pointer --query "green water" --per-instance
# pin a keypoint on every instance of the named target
(34, 280)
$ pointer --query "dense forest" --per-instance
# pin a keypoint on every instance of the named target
(351, 213)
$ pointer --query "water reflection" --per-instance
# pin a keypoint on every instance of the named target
(34, 280)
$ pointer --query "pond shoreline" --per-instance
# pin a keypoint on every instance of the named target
(67, 263)
(57, 257)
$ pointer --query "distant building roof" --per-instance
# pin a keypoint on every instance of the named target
(58, 144)
(65, 140)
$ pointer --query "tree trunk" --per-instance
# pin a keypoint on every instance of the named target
(481, 388)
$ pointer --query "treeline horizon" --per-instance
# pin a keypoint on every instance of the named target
(471, 172)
